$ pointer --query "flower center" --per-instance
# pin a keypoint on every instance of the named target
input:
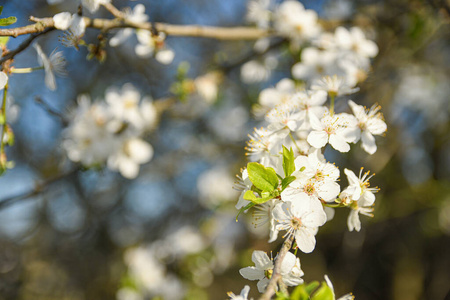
(309, 188)
(268, 273)
(296, 223)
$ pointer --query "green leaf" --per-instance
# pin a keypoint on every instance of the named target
(286, 181)
(1, 9)
(250, 205)
(8, 21)
(323, 293)
(281, 296)
(300, 293)
(4, 40)
(263, 178)
(311, 287)
(250, 196)
(288, 161)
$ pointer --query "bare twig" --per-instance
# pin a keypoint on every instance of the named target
(220, 33)
(276, 275)
(51, 110)
(113, 10)
(10, 54)
(36, 190)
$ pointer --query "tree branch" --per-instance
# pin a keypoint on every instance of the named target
(220, 33)
(10, 54)
(36, 190)
(276, 275)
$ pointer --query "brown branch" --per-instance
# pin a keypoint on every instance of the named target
(36, 190)
(10, 54)
(220, 33)
(276, 275)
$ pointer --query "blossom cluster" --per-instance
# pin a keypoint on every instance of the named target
(289, 183)
(345, 53)
(148, 43)
(112, 131)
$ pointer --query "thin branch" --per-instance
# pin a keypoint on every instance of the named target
(51, 111)
(220, 33)
(276, 275)
(36, 190)
(10, 54)
(113, 10)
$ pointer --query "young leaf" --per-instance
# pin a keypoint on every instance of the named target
(300, 293)
(8, 21)
(1, 9)
(323, 293)
(263, 178)
(286, 181)
(250, 196)
(4, 40)
(311, 287)
(288, 161)
(250, 205)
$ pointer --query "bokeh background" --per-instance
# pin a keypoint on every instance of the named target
(72, 233)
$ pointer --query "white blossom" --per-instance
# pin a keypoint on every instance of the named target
(258, 12)
(301, 216)
(294, 21)
(242, 296)
(310, 104)
(334, 86)
(335, 130)
(281, 93)
(149, 45)
(355, 41)
(257, 71)
(131, 154)
(359, 187)
(93, 5)
(55, 64)
(263, 269)
(330, 285)
(315, 63)
(370, 123)
(136, 15)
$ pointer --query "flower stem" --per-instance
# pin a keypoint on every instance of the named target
(295, 143)
(276, 275)
(25, 70)
(2, 137)
(332, 96)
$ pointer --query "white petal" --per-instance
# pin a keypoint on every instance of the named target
(261, 260)
(368, 142)
(353, 221)
(329, 190)
(251, 273)
(128, 168)
(165, 56)
(62, 20)
(317, 139)
(139, 150)
(376, 126)
(305, 239)
(288, 263)
(338, 142)
(367, 199)
(351, 177)
(262, 284)
(120, 37)
(3, 80)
